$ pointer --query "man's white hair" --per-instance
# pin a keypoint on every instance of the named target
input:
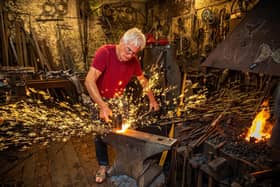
(136, 37)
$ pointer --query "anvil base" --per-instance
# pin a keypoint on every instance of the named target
(133, 149)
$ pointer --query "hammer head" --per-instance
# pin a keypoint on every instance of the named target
(117, 122)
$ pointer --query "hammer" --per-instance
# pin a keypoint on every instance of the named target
(117, 121)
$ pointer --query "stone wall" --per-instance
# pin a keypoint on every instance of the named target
(54, 22)
(195, 27)
(74, 29)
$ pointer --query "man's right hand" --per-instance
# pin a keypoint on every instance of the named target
(105, 113)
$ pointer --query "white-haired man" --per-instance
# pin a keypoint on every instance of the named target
(112, 68)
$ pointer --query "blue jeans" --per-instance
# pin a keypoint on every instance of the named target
(101, 151)
(100, 146)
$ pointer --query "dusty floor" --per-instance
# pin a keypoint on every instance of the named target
(60, 164)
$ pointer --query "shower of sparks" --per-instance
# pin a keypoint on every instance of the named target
(45, 120)
(34, 121)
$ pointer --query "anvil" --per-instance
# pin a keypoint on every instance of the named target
(133, 148)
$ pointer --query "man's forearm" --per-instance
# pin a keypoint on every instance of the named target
(150, 95)
(153, 103)
(146, 88)
(94, 94)
(90, 83)
(92, 88)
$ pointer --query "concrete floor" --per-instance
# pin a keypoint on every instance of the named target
(60, 164)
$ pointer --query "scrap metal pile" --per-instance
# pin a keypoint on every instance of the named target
(213, 137)
(223, 120)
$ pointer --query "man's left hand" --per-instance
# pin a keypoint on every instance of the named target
(154, 106)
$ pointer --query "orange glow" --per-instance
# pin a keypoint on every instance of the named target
(120, 83)
(124, 127)
(260, 128)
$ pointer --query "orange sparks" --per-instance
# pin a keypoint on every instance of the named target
(124, 127)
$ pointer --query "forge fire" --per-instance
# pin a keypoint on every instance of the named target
(261, 127)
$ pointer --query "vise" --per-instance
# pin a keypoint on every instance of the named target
(133, 149)
(12, 82)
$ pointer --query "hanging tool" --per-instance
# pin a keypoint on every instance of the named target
(5, 45)
(35, 44)
(83, 26)
(13, 49)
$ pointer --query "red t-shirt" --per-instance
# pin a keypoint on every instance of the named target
(115, 74)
